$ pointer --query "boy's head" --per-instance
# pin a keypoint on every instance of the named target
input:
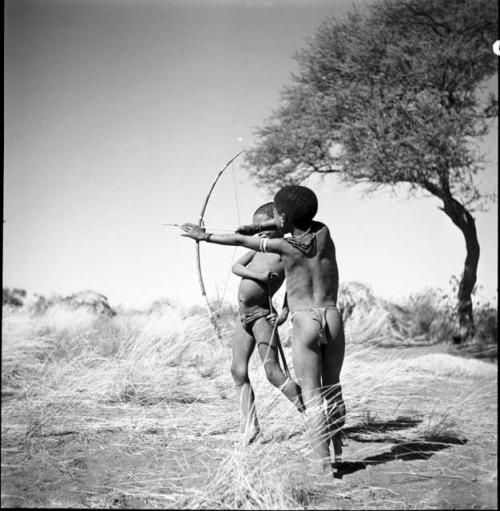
(295, 206)
(266, 209)
(263, 213)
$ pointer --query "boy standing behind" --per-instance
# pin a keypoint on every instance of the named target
(312, 286)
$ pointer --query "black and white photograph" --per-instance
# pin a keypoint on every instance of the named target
(250, 254)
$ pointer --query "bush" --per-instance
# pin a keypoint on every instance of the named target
(486, 319)
(13, 297)
(431, 315)
(485, 341)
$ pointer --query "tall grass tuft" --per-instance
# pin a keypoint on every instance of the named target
(158, 382)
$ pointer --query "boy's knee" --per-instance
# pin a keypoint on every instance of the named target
(239, 374)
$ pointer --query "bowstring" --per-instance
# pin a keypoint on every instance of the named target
(236, 194)
(237, 202)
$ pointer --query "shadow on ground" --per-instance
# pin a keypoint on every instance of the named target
(406, 450)
(355, 432)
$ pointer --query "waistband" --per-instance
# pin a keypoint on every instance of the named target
(329, 307)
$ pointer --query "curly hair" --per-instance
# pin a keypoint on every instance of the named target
(266, 209)
(299, 203)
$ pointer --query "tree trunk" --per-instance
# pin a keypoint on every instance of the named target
(465, 222)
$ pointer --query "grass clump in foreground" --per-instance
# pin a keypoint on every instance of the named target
(138, 410)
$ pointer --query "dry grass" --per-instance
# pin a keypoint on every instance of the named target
(139, 410)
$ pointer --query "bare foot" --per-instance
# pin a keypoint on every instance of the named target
(321, 469)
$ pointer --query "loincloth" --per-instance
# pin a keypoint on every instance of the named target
(249, 319)
(319, 315)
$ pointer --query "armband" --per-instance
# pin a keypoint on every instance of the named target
(207, 237)
(263, 245)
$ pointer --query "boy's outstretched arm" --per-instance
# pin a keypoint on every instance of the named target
(196, 233)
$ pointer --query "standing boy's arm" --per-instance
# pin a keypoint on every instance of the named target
(276, 245)
(240, 268)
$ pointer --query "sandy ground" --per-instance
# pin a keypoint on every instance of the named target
(125, 455)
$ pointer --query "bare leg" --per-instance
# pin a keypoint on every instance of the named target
(307, 364)
(262, 331)
(243, 347)
(332, 360)
(250, 424)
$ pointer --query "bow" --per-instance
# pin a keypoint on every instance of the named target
(198, 258)
(273, 332)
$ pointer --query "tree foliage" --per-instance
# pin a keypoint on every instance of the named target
(392, 96)
(396, 95)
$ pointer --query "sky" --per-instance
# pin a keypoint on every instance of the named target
(118, 114)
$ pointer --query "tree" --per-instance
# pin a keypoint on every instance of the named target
(393, 96)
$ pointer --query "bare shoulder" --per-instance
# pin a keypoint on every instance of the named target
(267, 256)
(246, 257)
(323, 235)
(320, 228)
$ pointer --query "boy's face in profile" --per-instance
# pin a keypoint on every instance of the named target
(260, 218)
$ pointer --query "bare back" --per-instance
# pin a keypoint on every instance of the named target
(312, 281)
